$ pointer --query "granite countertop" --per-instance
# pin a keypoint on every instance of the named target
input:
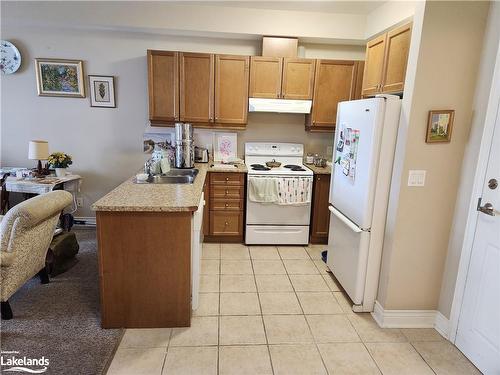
(320, 170)
(130, 196)
(238, 168)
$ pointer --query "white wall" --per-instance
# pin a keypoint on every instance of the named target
(389, 14)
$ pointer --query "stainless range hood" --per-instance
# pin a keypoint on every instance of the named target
(279, 105)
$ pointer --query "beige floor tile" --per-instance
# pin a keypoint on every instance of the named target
(369, 331)
(422, 334)
(264, 252)
(236, 267)
(279, 303)
(296, 360)
(234, 251)
(319, 303)
(210, 266)
(237, 283)
(287, 329)
(314, 251)
(137, 362)
(208, 306)
(241, 330)
(203, 331)
(308, 283)
(146, 338)
(332, 328)
(344, 302)
(300, 267)
(268, 267)
(321, 266)
(239, 304)
(273, 283)
(333, 284)
(197, 360)
(293, 252)
(244, 360)
(348, 359)
(445, 359)
(210, 251)
(398, 359)
(209, 283)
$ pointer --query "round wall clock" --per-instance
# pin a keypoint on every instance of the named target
(10, 58)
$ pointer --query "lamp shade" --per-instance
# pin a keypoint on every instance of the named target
(38, 150)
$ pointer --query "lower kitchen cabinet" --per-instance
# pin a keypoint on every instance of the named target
(225, 202)
(320, 215)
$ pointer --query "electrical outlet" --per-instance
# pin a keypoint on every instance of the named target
(416, 178)
(79, 202)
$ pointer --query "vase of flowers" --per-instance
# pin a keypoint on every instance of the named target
(59, 161)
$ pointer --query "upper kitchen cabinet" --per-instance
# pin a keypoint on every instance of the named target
(231, 89)
(163, 86)
(386, 60)
(335, 81)
(298, 78)
(196, 87)
(265, 77)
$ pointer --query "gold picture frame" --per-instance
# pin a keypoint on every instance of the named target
(60, 77)
(439, 126)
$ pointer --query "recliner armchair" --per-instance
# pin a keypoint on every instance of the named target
(25, 235)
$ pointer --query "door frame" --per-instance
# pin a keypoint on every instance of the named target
(477, 188)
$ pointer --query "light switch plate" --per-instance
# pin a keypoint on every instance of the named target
(416, 177)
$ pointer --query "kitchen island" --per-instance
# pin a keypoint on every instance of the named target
(145, 235)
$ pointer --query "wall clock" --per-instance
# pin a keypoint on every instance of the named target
(10, 58)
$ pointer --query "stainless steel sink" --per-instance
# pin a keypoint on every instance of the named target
(174, 176)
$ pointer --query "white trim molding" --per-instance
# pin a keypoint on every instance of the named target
(411, 319)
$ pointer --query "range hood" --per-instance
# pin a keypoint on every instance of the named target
(279, 105)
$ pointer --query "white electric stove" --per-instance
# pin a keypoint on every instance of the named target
(270, 223)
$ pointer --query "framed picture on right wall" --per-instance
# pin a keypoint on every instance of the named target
(439, 126)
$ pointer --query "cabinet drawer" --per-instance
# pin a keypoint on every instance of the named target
(228, 192)
(221, 178)
(226, 223)
(226, 204)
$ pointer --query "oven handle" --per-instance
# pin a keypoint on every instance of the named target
(345, 220)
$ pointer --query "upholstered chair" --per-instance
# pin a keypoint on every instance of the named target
(25, 235)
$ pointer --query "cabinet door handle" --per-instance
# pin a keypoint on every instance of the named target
(226, 224)
(227, 192)
(227, 178)
(226, 205)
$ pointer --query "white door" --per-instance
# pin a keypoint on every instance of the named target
(478, 335)
(353, 180)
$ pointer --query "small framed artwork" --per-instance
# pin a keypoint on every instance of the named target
(439, 126)
(59, 77)
(102, 91)
(225, 147)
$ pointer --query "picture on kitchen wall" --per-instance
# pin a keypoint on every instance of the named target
(58, 77)
(439, 126)
(102, 91)
(225, 147)
(150, 140)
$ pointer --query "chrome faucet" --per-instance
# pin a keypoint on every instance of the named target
(147, 167)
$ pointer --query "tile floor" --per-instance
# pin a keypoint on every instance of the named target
(275, 310)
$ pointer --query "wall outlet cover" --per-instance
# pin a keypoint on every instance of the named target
(79, 202)
(416, 177)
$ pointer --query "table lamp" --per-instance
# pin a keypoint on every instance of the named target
(38, 150)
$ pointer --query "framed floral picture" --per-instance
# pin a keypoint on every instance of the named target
(59, 77)
(102, 91)
(439, 126)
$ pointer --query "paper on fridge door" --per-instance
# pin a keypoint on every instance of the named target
(347, 150)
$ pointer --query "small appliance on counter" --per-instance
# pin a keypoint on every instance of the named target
(200, 154)
(184, 147)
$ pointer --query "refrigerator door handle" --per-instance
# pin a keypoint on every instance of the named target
(345, 220)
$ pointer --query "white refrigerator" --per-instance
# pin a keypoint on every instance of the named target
(363, 157)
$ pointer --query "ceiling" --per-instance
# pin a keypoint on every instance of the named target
(346, 7)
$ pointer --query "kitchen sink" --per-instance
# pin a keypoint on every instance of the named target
(174, 176)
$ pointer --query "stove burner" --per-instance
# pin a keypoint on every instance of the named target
(299, 169)
(259, 167)
(295, 168)
(291, 166)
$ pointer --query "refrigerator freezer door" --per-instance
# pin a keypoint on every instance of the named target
(353, 179)
(347, 254)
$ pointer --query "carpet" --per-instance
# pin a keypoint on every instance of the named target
(61, 320)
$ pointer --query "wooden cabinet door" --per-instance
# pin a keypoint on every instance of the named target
(196, 87)
(298, 78)
(265, 77)
(320, 222)
(206, 208)
(335, 82)
(396, 59)
(226, 223)
(163, 86)
(374, 65)
(231, 89)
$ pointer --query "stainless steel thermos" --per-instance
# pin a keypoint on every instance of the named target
(184, 147)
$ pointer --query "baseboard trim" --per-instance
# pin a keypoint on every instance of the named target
(89, 220)
(411, 319)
